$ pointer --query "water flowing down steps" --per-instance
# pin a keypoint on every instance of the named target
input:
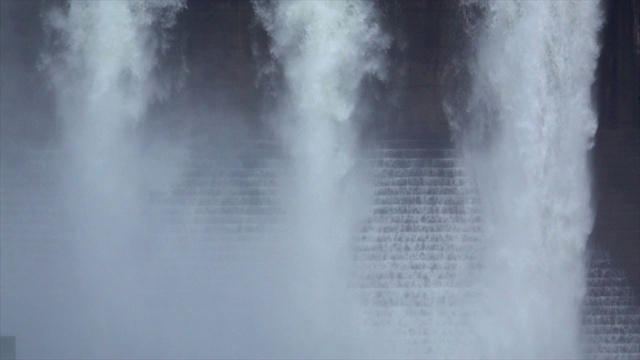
(611, 323)
(419, 243)
(412, 257)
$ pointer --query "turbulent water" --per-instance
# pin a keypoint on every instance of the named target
(324, 50)
(246, 256)
(526, 131)
(101, 67)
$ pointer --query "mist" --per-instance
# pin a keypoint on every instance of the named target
(140, 264)
(180, 180)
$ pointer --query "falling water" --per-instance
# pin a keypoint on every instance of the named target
(223, 274)
(102, 67)
(325, 49)
(526, 131)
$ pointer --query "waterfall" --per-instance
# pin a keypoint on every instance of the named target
(526, 129)
(325, 49)
(101, 66)
(303, 243)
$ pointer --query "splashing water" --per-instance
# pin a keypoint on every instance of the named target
(525, 129)
(529, 126)
(325, 49)
(107, 51)
(102, 71)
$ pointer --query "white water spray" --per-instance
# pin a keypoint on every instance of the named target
(529, 127)
(102, 70)
(530, 98)
(325, 49)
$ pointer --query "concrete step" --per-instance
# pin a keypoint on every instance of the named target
(395, 163)
(423, 190)
(425, 181)
(412, 154)
(390, 172)
(428, 256)
(425, 228)
(441, 142)
(419, 209)
(424, 219)
(442, 237)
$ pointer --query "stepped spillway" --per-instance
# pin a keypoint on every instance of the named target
(414, 258)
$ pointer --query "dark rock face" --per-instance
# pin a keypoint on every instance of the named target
(616, 160)
(618, 74)
(617, 199)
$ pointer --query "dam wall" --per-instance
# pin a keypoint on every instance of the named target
(414, 257)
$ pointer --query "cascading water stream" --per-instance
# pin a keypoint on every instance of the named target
(325, 49)
(252, 254)
(102, 71)
(526, 131)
